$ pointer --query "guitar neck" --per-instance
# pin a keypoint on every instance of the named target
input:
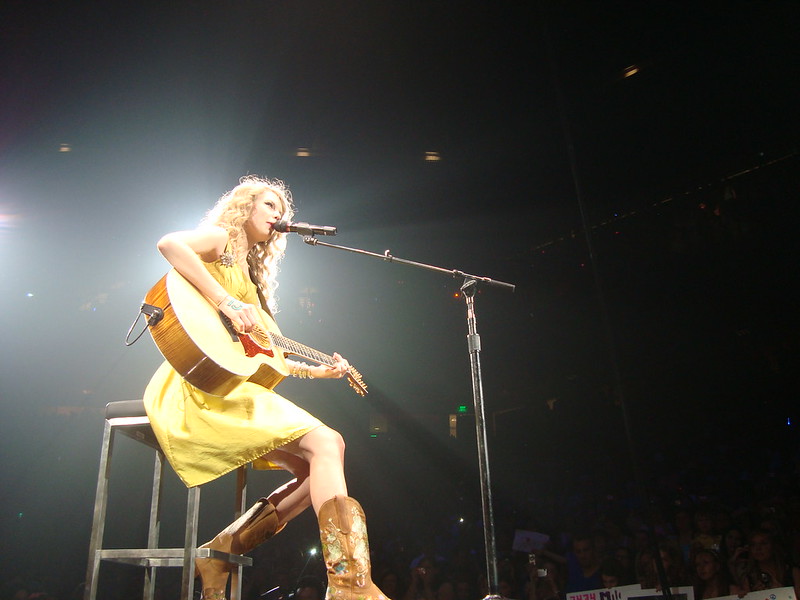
(291, 347)
(299, 349)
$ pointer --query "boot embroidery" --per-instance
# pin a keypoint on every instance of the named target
(360, 546)
(336, 559)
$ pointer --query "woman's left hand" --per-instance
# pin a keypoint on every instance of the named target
(337, 371)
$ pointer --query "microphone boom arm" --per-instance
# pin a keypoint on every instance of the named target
(388, 257)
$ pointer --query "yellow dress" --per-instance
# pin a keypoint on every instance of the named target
(205, 436)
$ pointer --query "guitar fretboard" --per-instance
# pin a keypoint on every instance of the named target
(268, 339)
(301, 349)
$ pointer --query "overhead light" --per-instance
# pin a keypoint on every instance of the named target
(630, 71)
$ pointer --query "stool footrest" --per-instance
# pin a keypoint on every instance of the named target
(167, 557)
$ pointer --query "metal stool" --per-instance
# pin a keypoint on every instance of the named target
(129, 417)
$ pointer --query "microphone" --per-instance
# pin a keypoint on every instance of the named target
(303, 228)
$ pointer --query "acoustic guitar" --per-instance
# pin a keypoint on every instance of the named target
(202, 345)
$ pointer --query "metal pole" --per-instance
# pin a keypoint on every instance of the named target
(474, 345)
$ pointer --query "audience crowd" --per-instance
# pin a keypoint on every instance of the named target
(724, 526)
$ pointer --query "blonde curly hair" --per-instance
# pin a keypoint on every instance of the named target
(230, 213)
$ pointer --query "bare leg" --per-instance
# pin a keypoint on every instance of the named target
(323, 450)
(317, 459)
(293, 497)
(317, 462)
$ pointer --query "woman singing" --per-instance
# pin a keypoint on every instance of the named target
(232, 260)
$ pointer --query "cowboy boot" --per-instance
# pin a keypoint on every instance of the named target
(345, 548)
(255, 526)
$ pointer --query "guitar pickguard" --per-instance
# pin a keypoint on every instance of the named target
(252, 348)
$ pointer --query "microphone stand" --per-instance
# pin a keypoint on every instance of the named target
(468, 288)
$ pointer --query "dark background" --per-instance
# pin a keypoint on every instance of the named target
(684, 307)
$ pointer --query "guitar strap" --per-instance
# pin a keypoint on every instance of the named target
(261, 299)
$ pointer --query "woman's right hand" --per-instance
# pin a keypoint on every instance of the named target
(243, 316)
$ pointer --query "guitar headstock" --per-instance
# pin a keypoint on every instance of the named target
(356, 381)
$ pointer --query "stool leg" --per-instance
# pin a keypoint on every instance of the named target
(99, 519)
(190, 542)
(154, 527)
(241, 506)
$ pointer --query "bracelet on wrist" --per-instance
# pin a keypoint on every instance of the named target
(231, 303)
(301, 371)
